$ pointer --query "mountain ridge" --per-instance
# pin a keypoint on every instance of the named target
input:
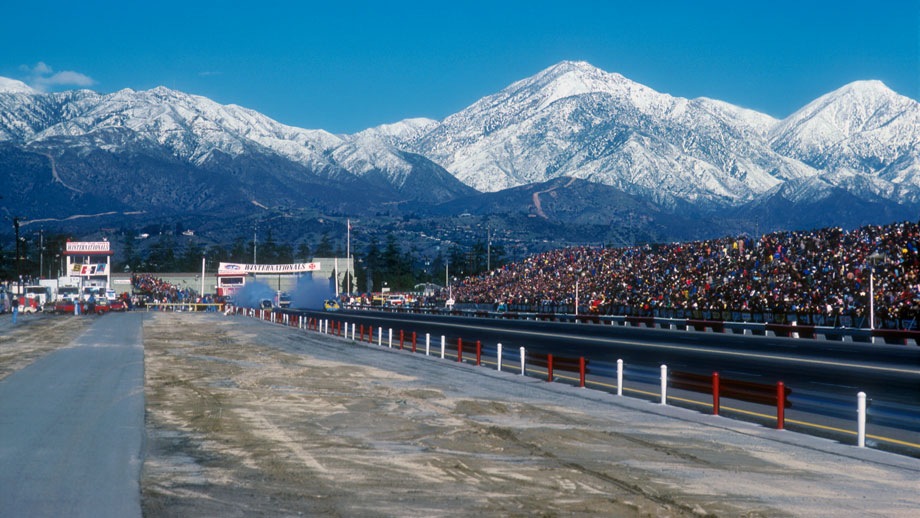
(695, 157)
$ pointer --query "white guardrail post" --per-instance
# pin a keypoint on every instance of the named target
(442, 347)
(664, 384)
(619, 377)
(390, 338)
(427, 343)
(523, 366)
(861, 419)
(499, 349)
(380, 336)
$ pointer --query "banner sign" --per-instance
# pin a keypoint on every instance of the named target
(87, 270)
(241, 269)
(87, 247)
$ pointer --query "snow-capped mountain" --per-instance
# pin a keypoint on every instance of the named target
(573, 119)
(374, 155)
(862, 128)
(13, 86)
(193, 133)
(162, 147)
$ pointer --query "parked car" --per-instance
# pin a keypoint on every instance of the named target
(105, 305)
(66, 307)
(396, 301)
(29, 305)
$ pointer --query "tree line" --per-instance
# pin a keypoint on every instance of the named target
(378, 263)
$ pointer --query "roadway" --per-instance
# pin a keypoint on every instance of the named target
(72, 427)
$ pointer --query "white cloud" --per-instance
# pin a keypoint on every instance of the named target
(43, 78)
(41, 69)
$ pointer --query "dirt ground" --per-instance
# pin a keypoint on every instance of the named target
(246, 418)
(238, 427)
(35, 336)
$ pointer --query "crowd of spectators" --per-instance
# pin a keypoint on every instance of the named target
(153, 291)
(161, 291)
(823, 272)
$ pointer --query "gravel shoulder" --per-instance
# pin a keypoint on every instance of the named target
(34, 336)
(246, 418)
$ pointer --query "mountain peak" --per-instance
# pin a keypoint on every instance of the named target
(569, 78)
(870, 94)
(862, 126)
(8, 85)
(869, 86)
(564, 67)
(854, 107)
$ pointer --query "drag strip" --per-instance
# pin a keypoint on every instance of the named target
(72, 426)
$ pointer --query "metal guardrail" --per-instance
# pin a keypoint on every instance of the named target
(788, 330)
(178, 306)
(550, 368)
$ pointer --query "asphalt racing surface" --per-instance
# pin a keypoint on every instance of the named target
(72, 427)
(884, 371)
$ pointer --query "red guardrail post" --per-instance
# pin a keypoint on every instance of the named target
(401, 339)
(715, 393)
(459, 349)
(361, 330)
(478, 353)
(413, 341)
(780, 405)
(370, 334)
(549, 368)
(581, 372)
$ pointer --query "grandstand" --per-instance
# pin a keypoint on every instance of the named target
(822, 274)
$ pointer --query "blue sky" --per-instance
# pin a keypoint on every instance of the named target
(345, 66)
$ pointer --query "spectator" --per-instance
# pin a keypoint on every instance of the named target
(823, 272)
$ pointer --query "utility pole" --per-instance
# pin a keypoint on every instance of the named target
(18, 259)
(489, 249)
(202, 275)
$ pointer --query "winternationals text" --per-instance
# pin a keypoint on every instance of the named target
(230, 268)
